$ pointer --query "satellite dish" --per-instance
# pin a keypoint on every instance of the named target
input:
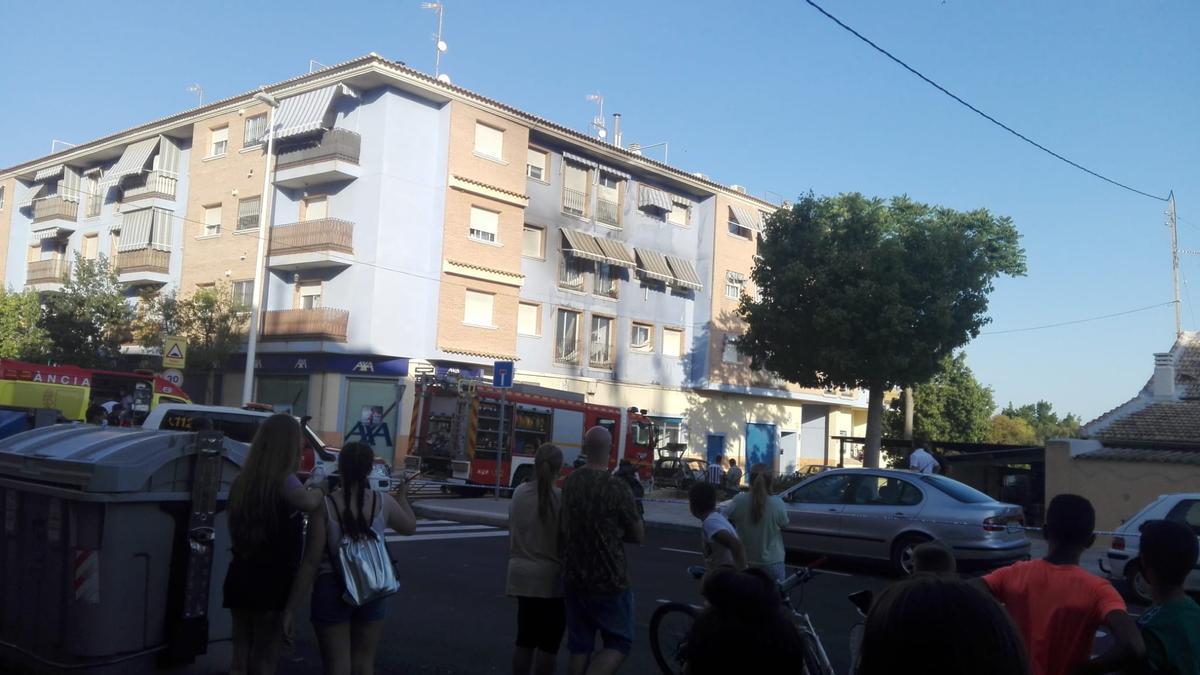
(443, 78)
(601, 132)
(441, 45)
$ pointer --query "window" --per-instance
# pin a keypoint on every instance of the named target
(670, 429)
(672, 342)
(310, 294)
(963, 493)
(607, 282)
(90, 247)
(1, 197)
(600, 345)
(608, 199)
(212, 219)
(114, 238)
(489, 141)
(315, 208)
(729, 352)
(572, 272)
(243, 294)
(735, 284)
(478, 309)
(641, 338)
(536, 163)
(566, 336)
(883, 491)
(575, 189)
(529, 319)
(255, 128)
(485, 225)
(1187, 512)
(248, 210)
(35, 252)
(737, 229)
(825, 490)
(533, 242)
(218, 141)
(679, 213)
(91, 194)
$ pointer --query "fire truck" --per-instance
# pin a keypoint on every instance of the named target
(456, 427)
(71, 389)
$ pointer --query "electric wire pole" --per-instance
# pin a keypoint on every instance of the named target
(1171, 223)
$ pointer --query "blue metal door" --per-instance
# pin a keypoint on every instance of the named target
(714, 446)
(760, 445)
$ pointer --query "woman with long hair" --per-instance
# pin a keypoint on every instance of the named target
(347, 635)
(266, 523)
(534, 571)
(759, 518)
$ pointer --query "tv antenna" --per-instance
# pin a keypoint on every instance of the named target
(598, 120)
(198, 91)
(441, 44)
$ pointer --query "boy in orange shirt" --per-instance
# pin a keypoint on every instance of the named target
(1058, 606)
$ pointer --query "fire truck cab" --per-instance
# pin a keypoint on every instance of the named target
(71, 389)
(456, 432)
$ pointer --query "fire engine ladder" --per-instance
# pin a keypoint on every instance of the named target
(460, 426)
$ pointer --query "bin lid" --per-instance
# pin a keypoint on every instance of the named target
(100, 459)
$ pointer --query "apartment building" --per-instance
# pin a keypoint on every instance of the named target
(417, 225)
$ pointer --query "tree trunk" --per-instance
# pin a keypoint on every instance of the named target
(874, 425)
(908, 413)
(210, 386)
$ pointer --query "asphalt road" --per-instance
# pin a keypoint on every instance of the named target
(451, 615)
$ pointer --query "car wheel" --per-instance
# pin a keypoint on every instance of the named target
(902, 553)
(1138, 585)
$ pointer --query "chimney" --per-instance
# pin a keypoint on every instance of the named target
(616, 129)
(1163, 384)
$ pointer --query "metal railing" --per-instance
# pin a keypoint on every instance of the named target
(567, 354)
(325, 234)
(574, 202)
(333, 144)
(47, 271)
(150, 184)
(608, 212)
(143, 260)
(54, 207)
(322, 323)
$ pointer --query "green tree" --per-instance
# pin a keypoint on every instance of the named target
(21, 333)
(951, 406)
(1045, 422)
(857, 292)
(1012, 431)
(214, 326)
(87, 320)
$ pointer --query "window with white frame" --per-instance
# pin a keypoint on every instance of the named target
(669, 429)
(735, 285)
(316, 207)
(243, 294)
(485, 225)
(529, 318)
(92, 198)
(572, 272)
(729, 351)
(212, 219)
(256, 127)
(607, 283)
(575, 189)
(310, 293)
(600, 345)
(533, 242)
(641, 337)
(739, 229)
(489, 141)
(680, 210)
(218, 141)
(608, 199)
(90, 246)
(248, 210)
(672, 342)
(566, 336)
(478, 308)
(537, 164)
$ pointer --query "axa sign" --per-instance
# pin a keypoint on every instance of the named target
(364, 367)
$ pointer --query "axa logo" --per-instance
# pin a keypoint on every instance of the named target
(301, 364)
(364, 367)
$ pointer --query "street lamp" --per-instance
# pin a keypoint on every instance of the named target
(264, 216)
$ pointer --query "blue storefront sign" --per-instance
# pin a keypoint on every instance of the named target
(348, 364)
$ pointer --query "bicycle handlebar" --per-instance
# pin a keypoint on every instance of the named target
(802, 575)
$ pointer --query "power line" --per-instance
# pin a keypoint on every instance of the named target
(1069, 323)
(977, 111)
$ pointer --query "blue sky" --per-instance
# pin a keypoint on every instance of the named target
(770, 95)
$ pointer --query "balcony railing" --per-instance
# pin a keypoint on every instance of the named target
(567, 352)
(326, 234)
(574, 202)
(152, 184)
(47, 271)
(608, 212)
(323, 323)
(333, 144)
(144, 260)
(54, 207)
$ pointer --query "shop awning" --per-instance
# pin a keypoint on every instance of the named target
(684, 273)
(48, 173)
(581, 245)
(650, 197)
(307, 112)
(746, 216)
(132, 161)
(653, 265)
(616, 252)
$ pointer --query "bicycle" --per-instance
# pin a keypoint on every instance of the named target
(672, 621)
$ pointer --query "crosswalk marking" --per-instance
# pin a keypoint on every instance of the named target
(436, 530)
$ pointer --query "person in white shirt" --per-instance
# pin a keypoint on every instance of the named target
(722, 547)
(922, 461)
(716, 471)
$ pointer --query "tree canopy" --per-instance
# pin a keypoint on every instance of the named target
(1044, 422)
(21, 333)
(950, 406)
(89, 318)
(858, 292)
(209, 319)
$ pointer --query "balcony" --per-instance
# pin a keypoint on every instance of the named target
(144, 266)
(608, 212)
(322, 323)
(150, 185)
(326, 158)
(574, 202)
(48, 274)
(55, 207)
(328, 242)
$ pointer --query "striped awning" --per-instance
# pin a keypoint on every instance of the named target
(35, 191)
(650, 197)
(580, 159)
(581, 245)
(653, 265)
(616, 252)
(307, 112)
(48, 173)
(746, 216)
(135, 229)
(43, 231)
(685, 275)
(132, 161)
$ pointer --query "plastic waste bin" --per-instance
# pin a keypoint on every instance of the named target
(95, 545)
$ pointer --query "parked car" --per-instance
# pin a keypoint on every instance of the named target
(1120, 561)
(678, 472)
(883, 514)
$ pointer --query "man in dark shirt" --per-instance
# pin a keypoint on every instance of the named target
(598, 517)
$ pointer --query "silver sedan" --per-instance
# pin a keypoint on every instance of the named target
(883, 514)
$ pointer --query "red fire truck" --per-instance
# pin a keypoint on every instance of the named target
(455, 433)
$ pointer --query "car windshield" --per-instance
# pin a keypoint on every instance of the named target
(957, 490)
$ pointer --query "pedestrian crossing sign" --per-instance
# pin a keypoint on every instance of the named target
(174, 352)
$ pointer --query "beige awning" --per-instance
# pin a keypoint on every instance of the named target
(650, 197)
(684, 273)
(582, 245)
(746, 216)
(653, 265)
(616, 252)
(48, 172)
(133, 160)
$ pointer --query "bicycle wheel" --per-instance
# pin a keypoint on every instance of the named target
(669, 628)
(813, 663)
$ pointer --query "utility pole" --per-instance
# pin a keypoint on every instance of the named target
(1171, 223)
(908, 413)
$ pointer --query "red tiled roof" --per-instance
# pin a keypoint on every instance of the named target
(1146, 420)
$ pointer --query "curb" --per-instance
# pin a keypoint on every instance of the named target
(429, 509)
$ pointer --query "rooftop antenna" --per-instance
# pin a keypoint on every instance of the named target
(198, 91)
(441, 44)
(637, 149)
(598, 120)
(55, 143)
(318, 64)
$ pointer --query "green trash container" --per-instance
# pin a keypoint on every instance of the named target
(95, 549)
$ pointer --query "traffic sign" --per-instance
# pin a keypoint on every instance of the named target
(502, 374)
(174, 376)
(174, 352)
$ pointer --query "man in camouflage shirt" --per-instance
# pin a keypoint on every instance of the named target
(599, 515)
